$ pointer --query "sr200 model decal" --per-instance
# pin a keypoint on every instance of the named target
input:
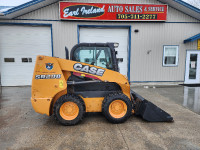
(88, 69)
(48, 76)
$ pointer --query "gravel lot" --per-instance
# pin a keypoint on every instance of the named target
(22, 128)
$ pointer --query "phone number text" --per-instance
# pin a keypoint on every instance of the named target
(137, 16)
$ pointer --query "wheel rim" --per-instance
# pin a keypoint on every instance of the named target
(117, 109)
(69, 110)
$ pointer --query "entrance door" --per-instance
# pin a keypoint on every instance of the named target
(104, 35)
(192, 67)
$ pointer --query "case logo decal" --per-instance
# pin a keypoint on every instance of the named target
(88, 69)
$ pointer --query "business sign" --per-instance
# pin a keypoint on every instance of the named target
(198, 44)
(112, 12)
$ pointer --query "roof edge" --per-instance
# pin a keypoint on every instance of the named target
(193, 38)
(20, 7)
(188, 5)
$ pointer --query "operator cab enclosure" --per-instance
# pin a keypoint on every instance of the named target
(98, 54)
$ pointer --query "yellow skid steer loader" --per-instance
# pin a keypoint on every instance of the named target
(88, 82)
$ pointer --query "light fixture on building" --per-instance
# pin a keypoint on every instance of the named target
(116, 45)
(149, 51)
(136, 30)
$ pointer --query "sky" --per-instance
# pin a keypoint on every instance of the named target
(12, 2)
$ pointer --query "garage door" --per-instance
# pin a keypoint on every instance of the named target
(102, 35)
(19, 46)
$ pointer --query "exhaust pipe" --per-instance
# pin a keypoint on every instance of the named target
(148, 111)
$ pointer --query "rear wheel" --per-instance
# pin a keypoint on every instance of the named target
(69, 109)
(117, 107)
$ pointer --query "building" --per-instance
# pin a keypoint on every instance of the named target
(158, 39)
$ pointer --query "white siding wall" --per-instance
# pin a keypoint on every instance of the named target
(148, 67)
(51, 12)
(151, 36)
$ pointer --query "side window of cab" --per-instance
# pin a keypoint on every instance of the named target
(98, 56)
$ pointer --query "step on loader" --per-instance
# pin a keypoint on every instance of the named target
(88, 81)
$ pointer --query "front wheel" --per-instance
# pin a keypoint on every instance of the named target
(116, 107)
(69, 109)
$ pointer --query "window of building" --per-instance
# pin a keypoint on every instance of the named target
(26, 60)
(170, 56)
(9, 59)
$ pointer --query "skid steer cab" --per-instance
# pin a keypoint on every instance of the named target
(88, 82)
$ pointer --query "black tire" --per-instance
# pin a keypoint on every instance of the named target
(109, 99)
(69, 98)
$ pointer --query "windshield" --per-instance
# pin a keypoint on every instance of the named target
(98, 56)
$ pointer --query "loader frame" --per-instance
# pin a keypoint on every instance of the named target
(68, 89)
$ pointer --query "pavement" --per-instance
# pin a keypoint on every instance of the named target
(22, 129)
